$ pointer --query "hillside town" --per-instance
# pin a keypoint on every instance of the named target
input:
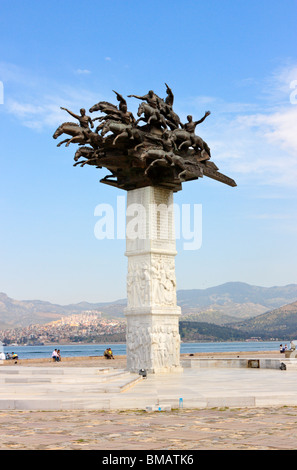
(89, 326)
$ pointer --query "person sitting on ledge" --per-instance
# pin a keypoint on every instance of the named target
(55, 356)
(108, 354)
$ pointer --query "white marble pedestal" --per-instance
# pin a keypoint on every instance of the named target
(153, 340)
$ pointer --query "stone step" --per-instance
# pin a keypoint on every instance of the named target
(31, 388)
(18, 370)
(74, 379)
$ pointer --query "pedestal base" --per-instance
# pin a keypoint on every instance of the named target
(153, 342)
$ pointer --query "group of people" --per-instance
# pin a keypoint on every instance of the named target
(12, 356)
(108, 354)
(56, 355)
(282, 348)
(8, 356)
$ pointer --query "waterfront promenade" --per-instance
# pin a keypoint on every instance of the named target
(235, 380)
(66, 406)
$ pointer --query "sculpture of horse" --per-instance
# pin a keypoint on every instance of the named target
(200, 144)
(166, 159)
(85, 152)
(172, 119)
(92, 157)
(185, 139)
(104, 107)
(78, 133)
(70, 128)
(151, 115)
(115, 127)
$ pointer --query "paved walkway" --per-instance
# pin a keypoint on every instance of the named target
(222, 408)
(93, 388)
(181, 430)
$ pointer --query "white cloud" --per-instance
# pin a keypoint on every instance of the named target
(277, 87)
(279, 128)
(261, 147)
(36, 116)
(35, 100)
(256, 141)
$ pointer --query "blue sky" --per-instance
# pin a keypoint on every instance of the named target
(236, 58)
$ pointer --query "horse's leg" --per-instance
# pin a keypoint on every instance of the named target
(138, 120)
(181, 174)
(170, 160)
(88, 161)
(150, 119)
(153, 164)
(63, 141)
(204, 155)
(138, 145)
(122, 134)
(163, 123)
(81, 163)
(154, 118)
(187, 143)
(71, 140)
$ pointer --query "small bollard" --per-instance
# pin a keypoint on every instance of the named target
(181, 403)
(143, 373)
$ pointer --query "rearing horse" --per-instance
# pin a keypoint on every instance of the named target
(70, 128)
(185, 139)
(151, 115)
(79, 135)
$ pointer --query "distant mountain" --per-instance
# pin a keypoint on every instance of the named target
(237, 293)
(221, 305)
(278, 323)
(20, 313)
(237, 300)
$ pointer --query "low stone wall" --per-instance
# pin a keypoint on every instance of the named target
(245, 363)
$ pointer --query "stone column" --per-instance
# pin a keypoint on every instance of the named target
(153, 340)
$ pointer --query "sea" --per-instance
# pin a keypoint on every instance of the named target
(119, 349)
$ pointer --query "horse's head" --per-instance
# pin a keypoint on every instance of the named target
(140, 109)
(78, 154)
(57, 133)
(96, 107)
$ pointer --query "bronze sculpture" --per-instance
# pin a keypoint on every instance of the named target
(162, 152)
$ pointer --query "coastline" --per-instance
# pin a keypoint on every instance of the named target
(120, 361)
